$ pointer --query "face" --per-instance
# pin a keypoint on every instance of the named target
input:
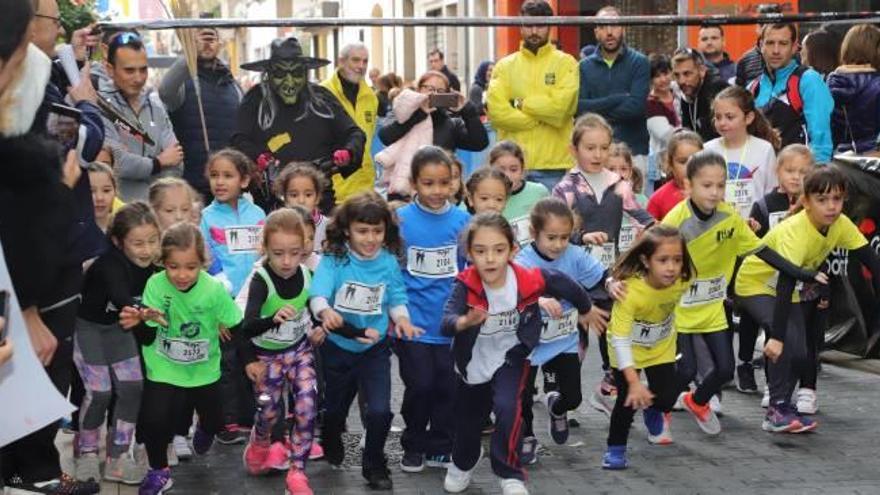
(778, 48)
(287, 79)
(354, 68)
(489, 72)
(366, 239)
(512, 168)
(301, 191)
(435, 61)
(129, 72)
(141, 245)
(225, 181)
(662, 81)
(730, 121)
(711, 42)
(285, 251)
(490, 251)
(309, 241)
(707, 187)
(103, 193)
(208, 44)
(791, 173)
(182, 267)
(552, 240)
(609, 38)
(664, 266)
(689, 76)
(679, 161)
(619, 166)
(489, 195)
(374, 76)
(592, 150)
(823, 209)
(174, 206)
(534, 37)
(433, 84)
(455, 184)
(47, 27)
(433, 184)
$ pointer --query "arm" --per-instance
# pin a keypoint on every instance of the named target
(660, 129)
(456, 306)
(172, 89)
(758, 215)
(557, 105)
(561, 286)
(127, 165)
(94, 125)
(782, 307)
(352, 138)
(631, 206)
(818, 105)
(470, 133)
(253, 325)
(632, 106)
(784, 266)
(393, 130)
(502, 114)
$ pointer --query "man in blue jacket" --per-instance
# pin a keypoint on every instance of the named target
(614, 83)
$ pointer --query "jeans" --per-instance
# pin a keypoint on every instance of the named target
(548, 177)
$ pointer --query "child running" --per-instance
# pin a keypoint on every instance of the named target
(488, 189)
(104, 191)
(773, 300)
(105, 355)
(495, 321)
(357, 288)
(681, 146)
(508, 157)
(620, 161)
(302, 184)
(430, 228)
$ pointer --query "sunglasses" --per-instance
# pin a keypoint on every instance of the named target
(123, 39)
(690, 53)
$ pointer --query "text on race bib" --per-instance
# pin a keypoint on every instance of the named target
(243, 238)
(604, 254)
(439, 262)
(627, 237)
(705, 291)
(184, 351)
(646, 334)
(505, 321)
(288, 332)
(739, 193)
(776, 217)
(553, 328)
(521, 230)
(361, 299)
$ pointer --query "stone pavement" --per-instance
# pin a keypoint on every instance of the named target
(841, 457)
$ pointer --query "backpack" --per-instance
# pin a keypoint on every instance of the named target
(792, 89)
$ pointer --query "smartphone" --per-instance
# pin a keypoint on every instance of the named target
(4, 307)
(443, 100)
(63, 125)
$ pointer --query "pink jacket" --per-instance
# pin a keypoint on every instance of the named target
(396, 158)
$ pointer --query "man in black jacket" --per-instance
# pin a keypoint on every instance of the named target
(697, 90)
(437, 62)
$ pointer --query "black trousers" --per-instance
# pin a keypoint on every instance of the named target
(564, 371)
(661, 382)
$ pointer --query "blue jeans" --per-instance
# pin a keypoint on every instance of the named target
(549, 177)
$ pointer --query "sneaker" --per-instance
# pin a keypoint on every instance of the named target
(513, 486)
(745, 379)
(139, 453)
(658, 426)
(558, 425)
(378, 477)
(679, 405)
(316, 452)
(334, 450)
(807, 401)
(704, 415)
(156, 482)
(229, 435)
(438, 461)
(529, 453)
(765, 400)
(781, 419)
(88, 467)
(173, 460)
(202, 442)
(456, 480)
(615, 457)
(124, 469)
(65, 485)
(715, 404)
(181, 447)
(412, 462)
(807, 424)
(362, 443)
(279, 457)
(254, 457)
(297, 483)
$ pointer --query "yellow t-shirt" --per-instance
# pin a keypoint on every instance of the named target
(797, 240)
(714, 246)
(646, 316)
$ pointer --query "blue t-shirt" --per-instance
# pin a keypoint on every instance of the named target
(233, 237)
(582, 268)
(433, 259)
(361, 290)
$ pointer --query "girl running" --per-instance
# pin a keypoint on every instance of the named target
(508, 157)
(302, 184)
(104, 192)
(681, 146)
(488, 189)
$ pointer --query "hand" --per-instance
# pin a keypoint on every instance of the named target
(754, 225)
(822, 278)
(596, 320)
(551, 307)
(823, 304)
(256, 371)
(371, 336)
(616, 289)
(462, 100)
(154, 315)
(82, 40)
(639, 397)
(473, 318)
(773, 349)
(171, 156)
(5, 350)
(286, 313)
(42, 339)
(317, 336)
(406, 329)
(71, 171)
(595, 238)
(129, 317)
(225, 334)
(426, 107)
(83, 90)
(341, 157)
(332, 320)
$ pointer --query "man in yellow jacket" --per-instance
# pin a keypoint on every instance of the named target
(532, 99)
(360, 102)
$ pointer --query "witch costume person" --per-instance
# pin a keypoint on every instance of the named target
(287, 119)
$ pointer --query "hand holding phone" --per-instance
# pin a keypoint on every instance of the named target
(62, 124)
(443, 100)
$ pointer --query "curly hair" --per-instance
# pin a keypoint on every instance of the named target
(366, 207)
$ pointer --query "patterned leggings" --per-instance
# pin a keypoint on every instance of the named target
(295, 368)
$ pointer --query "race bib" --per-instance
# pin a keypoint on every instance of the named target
(440, 262)
(360, 299)
(739, 193)
(705, 291)
(521, 230)
(506, 321)
(776, 217)
(604, 254)
(555, 328)
(288, 332)
(184, 351)
(627, 237)
(243, 238)
(648, 334)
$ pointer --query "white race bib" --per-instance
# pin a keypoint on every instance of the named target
(184, 351)
(288, 332)
(627, 237)
(440, 262)
(243, 238)
(740, 194)
(521, 230)
(555, 328)
(506, 321)
(604, 254)
(776, 217)
(361, 299)
(705, 291)
(648, 334)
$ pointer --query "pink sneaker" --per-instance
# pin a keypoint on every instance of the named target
(297, 483)
(255, 457)
(316, 452)
(278, 458)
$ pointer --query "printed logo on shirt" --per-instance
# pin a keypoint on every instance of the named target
(555, 328)
(506, 321)
(550, 78)
(439, 262)
(646, 334)
(184, 351)
(604, 254)
(288, 332)
(368, 116)
(243, 238)
(521, 230)
(361, 299)
(724, 234)
(190, 329)
(705, 291)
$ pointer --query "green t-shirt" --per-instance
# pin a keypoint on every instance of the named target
(187, 353)
(519, 206)
(290, 332)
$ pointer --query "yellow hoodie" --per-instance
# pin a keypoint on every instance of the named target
(547, 83)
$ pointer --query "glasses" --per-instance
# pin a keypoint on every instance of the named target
(123, 39)
(690, 53)
(432, 89)
(56, 20)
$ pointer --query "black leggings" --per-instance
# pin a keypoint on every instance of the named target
(720, 353)
(564, 371)
(661, 382)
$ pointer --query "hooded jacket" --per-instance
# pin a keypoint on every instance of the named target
(856, 115)
(396, 158)
(464, 131)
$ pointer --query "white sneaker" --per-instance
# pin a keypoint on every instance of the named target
(88, 467)
(679, 405)
(765, 401)
(807, 401)
(181, 447)
(513, 486)
(715, 405)
(172, 455)
(362, 443)
(456, 480)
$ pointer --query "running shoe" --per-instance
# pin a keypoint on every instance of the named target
(438, 461)
(615, 457)
(181, 447)
(201, 442)
(254, 457)
(297, 483)
(529, 453)
(412, 462)
(316, 452)
(88, 467)
(765, 400)
(456, 480)
(807, 401)
(279, 457)
(703, 414)
(745, 379)
(124, 469)
(657, 424)
(65, 485)
(781, 419)
(807, 424)
(378, 477)
(156, 482)
(513, 486)
(172, 455)
(558, 425)
(229, 435)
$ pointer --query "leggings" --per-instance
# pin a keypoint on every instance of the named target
(294, 368)
(661, 381)
(108, 362)
(565, 372)
(720, 354)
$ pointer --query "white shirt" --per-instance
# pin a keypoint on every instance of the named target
(498, 332)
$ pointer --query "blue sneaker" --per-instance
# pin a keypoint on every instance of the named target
(558, 425)
(438, 461)
(657, 424)
(156, 482)
(781, 418)
(615, 457)
(807, 424)
(201, 442)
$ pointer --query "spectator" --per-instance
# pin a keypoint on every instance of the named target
(374, 74)
(477, 93)
(532, 99)
(855, 87)
(794, 98)
(614, 83)
(711, 45)
(360, 103)
(221, 96)
(751, 64)
(663, 107)
(697, 90)
(437, 62)
(384, 85)
(820, 51)
(136, 162)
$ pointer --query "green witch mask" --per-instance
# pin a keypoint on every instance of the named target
(287, 79)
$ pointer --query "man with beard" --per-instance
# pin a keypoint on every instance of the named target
(697, 89)
(711, 45)
(532, 99)
(615, 81)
